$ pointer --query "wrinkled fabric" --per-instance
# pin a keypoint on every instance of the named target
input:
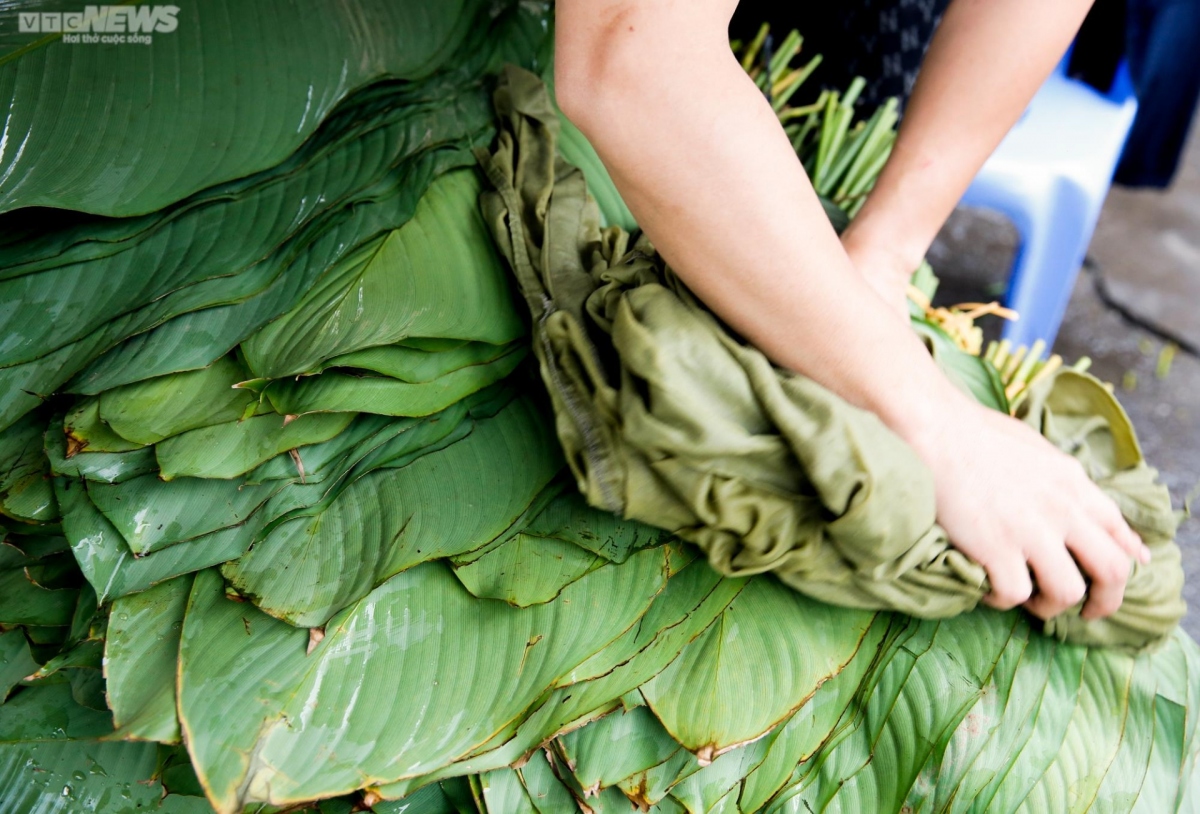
(667, 418)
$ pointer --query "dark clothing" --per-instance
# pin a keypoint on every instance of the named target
(1161, 41)
(883, 41)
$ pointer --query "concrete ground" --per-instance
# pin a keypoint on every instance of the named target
(1136, 303)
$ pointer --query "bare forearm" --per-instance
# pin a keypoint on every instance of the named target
(707, 170)
(985, 63)
(711, 177)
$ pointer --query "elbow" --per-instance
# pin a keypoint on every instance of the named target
(585, 82)
(633, 56)
(595, 67)
(573, 93)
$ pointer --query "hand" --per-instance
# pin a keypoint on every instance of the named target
(1015, 504)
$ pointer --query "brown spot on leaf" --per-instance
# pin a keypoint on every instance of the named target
(640, 795)
(295, 455)
(315, 634)
(75, 445)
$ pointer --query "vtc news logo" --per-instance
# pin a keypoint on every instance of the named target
(101, 20)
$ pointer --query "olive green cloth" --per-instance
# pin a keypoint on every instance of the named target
(667, 418)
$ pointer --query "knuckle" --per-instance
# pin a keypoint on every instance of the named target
(1110, 516)
(1112, 571)
(1071, 470)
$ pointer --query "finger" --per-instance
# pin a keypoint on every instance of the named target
(1114, 523)
(1011, 584)
(1059, 583)
(1105, 563)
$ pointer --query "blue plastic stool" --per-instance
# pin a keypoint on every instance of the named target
(1050, 176)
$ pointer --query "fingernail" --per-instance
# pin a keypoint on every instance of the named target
(1144, 557)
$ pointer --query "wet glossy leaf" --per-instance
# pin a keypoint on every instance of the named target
(443, 503)
(87, 687)
(15, 661)
(928, 683)
(140, 655)
(203, 321)
(708, 788)
(815, 723)
(428, 799)
(336, 391)
(527, 570)
(437, 276)
(711, 698)
(258, 747)
(83, 655)
(105, 467)
(221, 112)
(569, 518)
(86, 432)
(149, 411)
(24, 603)
(502, 790)
(50, 761)
(615, 747)
(49, 713)
(232, 449)
(410, 362)
(31, 500)
(176, 772)
(54, 571)
(107, 562)
(23, 472)
(152, 514)
(692, 599)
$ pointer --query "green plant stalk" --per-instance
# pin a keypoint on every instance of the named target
(854, 91)
(833, 129)
(755, 45)
(807, 110)
(1000, 356)
(863, 184)
(826, 135)
(852, 162)
(880, 126)
(783, 57)
(838, 119)
(801, 137)
(850, 149)
(801, 75)
(1033, 357)
(1013, 362)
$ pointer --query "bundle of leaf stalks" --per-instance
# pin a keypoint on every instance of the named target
(842, 156)
(285, 525)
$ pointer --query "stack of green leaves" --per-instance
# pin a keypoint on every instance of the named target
(284, 521)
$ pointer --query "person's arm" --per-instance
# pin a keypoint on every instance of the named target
(986, 61)
(705, 167)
